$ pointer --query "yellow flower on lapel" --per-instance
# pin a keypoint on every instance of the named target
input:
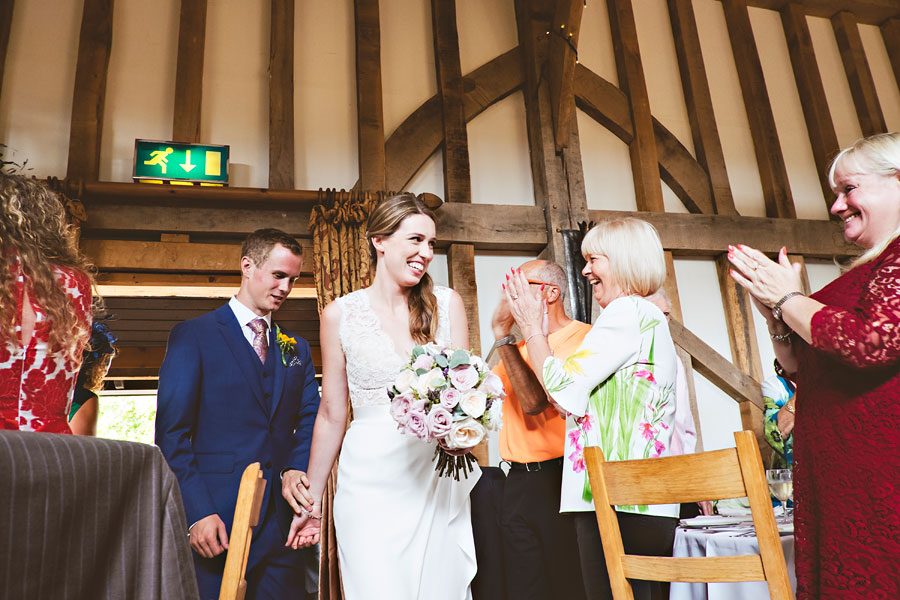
(288, 347)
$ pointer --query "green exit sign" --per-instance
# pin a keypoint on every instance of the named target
(170, 161)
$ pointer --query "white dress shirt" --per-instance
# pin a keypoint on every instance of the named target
(244, 315)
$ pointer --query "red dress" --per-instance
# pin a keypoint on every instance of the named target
(847, 438)
(36, 382)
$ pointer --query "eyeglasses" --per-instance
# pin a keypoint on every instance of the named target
(536, 282)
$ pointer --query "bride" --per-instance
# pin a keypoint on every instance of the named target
(403, 532)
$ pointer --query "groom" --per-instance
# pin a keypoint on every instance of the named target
(232, 391)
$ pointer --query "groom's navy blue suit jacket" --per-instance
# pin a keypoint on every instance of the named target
(220, 409)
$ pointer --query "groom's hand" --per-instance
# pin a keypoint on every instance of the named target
(294, 488)
(208, 536)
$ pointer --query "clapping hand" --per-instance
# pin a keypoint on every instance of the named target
(766, 280)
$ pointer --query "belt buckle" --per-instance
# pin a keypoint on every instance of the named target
(535, 469)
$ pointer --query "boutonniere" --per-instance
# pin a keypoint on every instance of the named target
(288, 347)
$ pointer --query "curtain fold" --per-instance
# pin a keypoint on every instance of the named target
(341, 265)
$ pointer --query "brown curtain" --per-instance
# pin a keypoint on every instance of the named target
(341, 265)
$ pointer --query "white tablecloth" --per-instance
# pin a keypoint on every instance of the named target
(705, 542)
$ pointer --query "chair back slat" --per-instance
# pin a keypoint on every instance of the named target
(729, 473)
(246, 517)
(674, 479)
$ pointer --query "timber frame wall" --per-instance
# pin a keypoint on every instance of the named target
(175, 235)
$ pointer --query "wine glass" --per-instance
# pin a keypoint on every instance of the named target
(781, 484)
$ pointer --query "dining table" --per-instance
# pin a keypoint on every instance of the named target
(726, 536)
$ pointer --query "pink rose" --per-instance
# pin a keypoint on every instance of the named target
(400, 406)
(644, 374)
(586, 423)
(439, 421)
(577, 459)
(450, 398)
(647, 430)
(464, 378)
(492, 385)
(424, 361)
(416, 423)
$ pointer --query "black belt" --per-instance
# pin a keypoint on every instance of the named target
(532, 467)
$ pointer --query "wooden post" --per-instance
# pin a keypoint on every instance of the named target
(369, 111)
(772, 172)
(6, 14)
(561, 67)
(862, 86)
(822, 136)
(890, 31)
(281, 95)
(94, 45)
(698, 99)
(189, 72)
(644, 157)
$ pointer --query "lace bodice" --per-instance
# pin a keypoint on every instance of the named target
(372, 359)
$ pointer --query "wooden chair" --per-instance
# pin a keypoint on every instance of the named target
(246, 517)
(729, 473)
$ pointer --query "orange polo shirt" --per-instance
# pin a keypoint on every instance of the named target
(527, 438)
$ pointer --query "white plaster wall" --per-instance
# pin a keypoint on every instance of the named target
(324, 95)
(608, 182)
(793, 136)
(499, 161)
(485, 30)
(834, 79)
(235, 108)
(595, 50)
(885, 82)
(430, 178)
(140, 85)
(38, 79)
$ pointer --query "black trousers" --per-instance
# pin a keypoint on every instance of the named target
(641, 534)
(539, 545)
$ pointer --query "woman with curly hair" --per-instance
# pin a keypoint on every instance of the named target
(45, 307)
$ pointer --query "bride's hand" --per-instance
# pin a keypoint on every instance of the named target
(304, 531)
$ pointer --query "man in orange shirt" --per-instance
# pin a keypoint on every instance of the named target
(540, 550)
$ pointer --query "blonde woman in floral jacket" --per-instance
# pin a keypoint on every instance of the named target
(617, 389)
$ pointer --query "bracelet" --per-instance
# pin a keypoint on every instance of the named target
(309, 514)
(790, 408)
(528, 339)
(776, 310)
(781, 337)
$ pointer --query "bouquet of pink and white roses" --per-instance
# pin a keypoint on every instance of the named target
(449, 396)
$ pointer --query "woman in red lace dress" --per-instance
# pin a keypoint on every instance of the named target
(843, 343)
(45, 307)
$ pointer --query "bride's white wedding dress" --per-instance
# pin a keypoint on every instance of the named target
(402, 532)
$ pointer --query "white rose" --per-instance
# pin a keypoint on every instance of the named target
(473, 403)
(405, 380)
(495, 415)
(433, 379)
(492, 385)
(465, 434)
(477, 362)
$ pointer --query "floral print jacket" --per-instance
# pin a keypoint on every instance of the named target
(619, 387)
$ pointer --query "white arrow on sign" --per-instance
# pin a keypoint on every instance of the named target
(187, 166)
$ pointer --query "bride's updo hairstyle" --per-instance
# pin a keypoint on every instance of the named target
(383, 222)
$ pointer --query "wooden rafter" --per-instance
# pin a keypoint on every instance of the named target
(890, 31)
(859, 76)
(189, 72)
(770, 160)
(281, 95)
(644, 158)
(813, 101)
(94, 46)
(698, 100)
(563, 53)
(6, 14)
(870, 12)
(369, 111)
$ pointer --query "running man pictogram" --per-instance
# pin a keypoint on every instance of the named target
(161, 158)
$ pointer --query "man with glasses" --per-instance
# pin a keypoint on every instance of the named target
(540, 550)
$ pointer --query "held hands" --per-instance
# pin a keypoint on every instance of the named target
(305, 529)
(295, 489)
(766, 281)
(208, 536)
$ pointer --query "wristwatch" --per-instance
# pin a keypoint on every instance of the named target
(507, 339)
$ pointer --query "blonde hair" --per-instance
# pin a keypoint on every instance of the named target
(383, 222)
(634, 251)
(34, 233)
(875, 155)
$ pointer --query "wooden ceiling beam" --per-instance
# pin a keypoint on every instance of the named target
(890, 31)
(189, 72)
(868, 12)
(6, 15)
(563, 54)
(281, 95)
(859, 76)
(88, 98)
(369, 102)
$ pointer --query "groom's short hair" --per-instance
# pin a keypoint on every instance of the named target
(259, 243)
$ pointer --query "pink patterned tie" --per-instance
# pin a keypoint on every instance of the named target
(260, 339)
